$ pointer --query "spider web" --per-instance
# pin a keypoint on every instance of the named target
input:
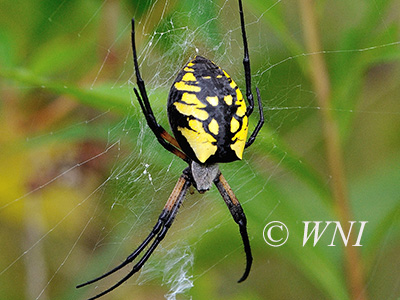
(106, 196)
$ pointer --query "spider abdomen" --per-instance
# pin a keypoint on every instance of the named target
(207, 113)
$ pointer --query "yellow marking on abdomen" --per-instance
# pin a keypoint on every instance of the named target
(199, 140)
(241, 111)
(192, 99)
(213, 127)
(234, 125)
(213, 100)
(191, 110)
(188, 77)
(226, 74)
(240, 138)
(182, 86)
(228, 99)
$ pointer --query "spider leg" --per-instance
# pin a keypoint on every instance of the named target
(260, 123)
(160, 133)
(247, 75)
(246, 62)
(159, 231)
(163, 137)
(238, 216)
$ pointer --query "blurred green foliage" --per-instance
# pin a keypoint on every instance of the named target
(69, 120)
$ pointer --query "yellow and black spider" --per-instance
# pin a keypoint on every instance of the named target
(209, 119)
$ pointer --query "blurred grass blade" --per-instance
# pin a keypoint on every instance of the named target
(103, 98)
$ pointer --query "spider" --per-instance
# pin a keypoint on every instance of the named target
(209, 119)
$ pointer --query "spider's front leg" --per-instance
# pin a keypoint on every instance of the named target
(238, 216)
(158, 232)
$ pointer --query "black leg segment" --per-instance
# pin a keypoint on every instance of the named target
(159, 231)
(238, 216)
(164, 138)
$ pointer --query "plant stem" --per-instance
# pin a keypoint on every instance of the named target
(322, 86)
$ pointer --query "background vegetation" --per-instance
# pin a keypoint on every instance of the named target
(76, 156)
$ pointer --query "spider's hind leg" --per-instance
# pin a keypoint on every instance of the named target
(163, 137)
(260, 123)
(247, 76)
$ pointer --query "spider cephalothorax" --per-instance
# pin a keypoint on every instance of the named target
(209, 119)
